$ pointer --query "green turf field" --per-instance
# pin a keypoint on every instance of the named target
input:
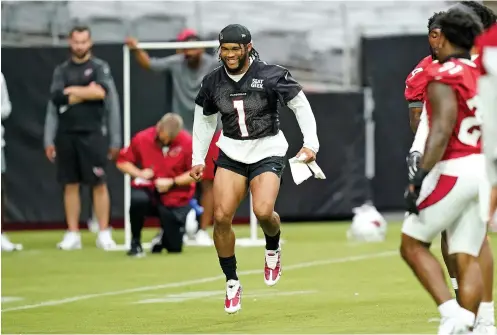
(329, 285)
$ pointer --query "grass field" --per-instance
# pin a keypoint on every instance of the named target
(329, 285)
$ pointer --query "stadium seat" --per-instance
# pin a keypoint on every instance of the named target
(157, 27)
(62, 22)
(82, 10)
(107, 29)
(31, 17)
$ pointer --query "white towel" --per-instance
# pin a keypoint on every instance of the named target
(142, 182)
(302, 171)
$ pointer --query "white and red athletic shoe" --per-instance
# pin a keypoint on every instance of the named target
(272, 267)
(233, 300)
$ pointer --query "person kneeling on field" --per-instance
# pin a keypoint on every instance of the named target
(162, 185)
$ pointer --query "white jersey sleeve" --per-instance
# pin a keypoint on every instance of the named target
(204, 127)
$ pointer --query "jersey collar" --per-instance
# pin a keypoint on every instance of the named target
(465, 55)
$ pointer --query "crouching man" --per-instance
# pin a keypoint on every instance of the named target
(158, 160)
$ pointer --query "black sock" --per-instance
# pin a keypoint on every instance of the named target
(273, 242)
(136, 230)
(228, 264)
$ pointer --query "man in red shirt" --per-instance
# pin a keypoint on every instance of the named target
(158, 160)
(414, 92)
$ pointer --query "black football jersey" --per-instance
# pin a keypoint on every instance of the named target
(249, 107)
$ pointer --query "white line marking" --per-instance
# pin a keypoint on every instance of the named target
(199, 281)
(187, 296)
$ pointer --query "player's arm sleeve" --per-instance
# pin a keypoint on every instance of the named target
(162, 64)
(204, 127)
(6, 105)
(188, 161)
(303, 112)
(51, 124)
(113, 115)
(104, 77)
(57, 88)
(415, 104)
(287, 87)
(130, 153)
(421, 134)
(204, 100)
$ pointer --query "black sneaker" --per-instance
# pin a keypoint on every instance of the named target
(136, 250)
(156, 244)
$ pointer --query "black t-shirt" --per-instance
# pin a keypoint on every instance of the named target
(249, 107)
(88, 115)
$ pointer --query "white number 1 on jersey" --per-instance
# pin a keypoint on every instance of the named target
(240, 109)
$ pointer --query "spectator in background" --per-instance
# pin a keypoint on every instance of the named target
(112, 108)
(6, 109)
(74, 138)
(188, 68)
(158, 160)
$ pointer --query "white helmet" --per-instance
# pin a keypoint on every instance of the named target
(368, 225)
(191, 224)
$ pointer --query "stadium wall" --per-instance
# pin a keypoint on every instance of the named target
(386, 63)
(35, 199)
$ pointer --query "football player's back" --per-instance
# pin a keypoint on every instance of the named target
(461, 75)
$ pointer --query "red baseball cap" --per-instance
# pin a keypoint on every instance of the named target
(187, 35)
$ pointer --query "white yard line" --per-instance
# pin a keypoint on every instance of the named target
(200, 281)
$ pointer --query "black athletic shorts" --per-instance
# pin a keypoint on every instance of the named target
(273, 164)
(81, 158)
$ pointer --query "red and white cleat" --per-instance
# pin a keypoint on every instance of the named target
(272, 267)
(233, 301)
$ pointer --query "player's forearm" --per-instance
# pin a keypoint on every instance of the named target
(6, 105)
(305, 118)
(435, 146)
(142, 58)
(114, 116)
(204, 128)
(414, 116)
(6, 109)
(421, 134)
(184, 179)
(51, 124)
(73, 99)
(92, 92)
(128, 168)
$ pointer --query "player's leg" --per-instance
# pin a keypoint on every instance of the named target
(465, 239)
(140, 207)
(485, 320)
(425, 266)
(230, 187)
(449, 263)
(6, 244)
(92, 156)
(486, 312)
(68, 175)
(229, 190)
(265, 180)
(207, 196)
(442, 201)
(207, 203)
(173, 221)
